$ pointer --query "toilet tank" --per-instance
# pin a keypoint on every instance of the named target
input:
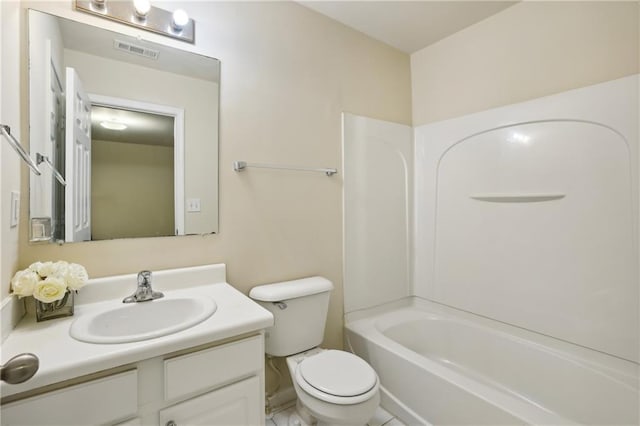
(299, 309)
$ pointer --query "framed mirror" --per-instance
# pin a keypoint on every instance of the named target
(130, 127)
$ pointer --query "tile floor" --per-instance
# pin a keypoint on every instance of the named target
(381, 418)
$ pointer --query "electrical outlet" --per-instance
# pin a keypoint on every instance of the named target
(193, 205)
(15, 209)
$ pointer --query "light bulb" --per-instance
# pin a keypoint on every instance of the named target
(98, 3)
(142, 8)
(180, 19)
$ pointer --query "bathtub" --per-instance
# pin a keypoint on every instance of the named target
(438, 365)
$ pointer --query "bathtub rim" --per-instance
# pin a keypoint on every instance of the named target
(365, 324)
(624, 370)
(520, 411)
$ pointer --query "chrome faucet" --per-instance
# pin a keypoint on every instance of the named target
(144, 292)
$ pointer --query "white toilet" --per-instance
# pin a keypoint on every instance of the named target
(333, 387)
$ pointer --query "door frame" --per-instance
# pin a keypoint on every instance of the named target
(178, 145)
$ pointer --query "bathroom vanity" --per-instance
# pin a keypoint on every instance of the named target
(211, 373)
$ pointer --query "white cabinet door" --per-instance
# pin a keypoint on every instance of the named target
(236, 404)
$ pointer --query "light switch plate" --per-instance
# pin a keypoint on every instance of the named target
(15, 209)
(193, 205)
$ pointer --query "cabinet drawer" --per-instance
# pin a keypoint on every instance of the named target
(209, 368)
(95, 402)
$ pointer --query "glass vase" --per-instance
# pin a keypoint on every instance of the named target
(58, 309)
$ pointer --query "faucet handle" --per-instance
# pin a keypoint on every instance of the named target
(144, 292)
(144, 278)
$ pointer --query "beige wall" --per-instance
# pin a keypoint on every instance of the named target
(131, 190)
(287, 74)
(529, 50)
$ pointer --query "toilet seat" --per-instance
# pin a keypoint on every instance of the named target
(337, 377)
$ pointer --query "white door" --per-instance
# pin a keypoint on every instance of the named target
(78, 161)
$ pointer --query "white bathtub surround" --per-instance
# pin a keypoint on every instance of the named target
(377, 159)
(566, 267)
(444, 359)
(523, 305)
(62, 357)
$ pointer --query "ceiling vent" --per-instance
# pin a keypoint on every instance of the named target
(135, 50)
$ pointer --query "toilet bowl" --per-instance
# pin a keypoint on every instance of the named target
(335, 387)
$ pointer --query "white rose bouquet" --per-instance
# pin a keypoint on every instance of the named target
(49, 281)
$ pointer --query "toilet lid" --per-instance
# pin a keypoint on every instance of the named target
(338, 373)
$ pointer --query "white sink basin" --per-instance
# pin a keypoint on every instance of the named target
(141, 321)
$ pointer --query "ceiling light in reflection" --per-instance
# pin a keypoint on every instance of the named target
(113, 125)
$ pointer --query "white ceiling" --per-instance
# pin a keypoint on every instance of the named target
(408, 25)
(142, 128)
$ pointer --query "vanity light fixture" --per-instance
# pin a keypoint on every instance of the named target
(141, 14)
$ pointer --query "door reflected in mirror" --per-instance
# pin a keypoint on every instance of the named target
(133, 127)
(132, 168)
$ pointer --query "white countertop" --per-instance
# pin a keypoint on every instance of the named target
(62, 357)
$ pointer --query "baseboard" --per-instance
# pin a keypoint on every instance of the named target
(282, 399)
